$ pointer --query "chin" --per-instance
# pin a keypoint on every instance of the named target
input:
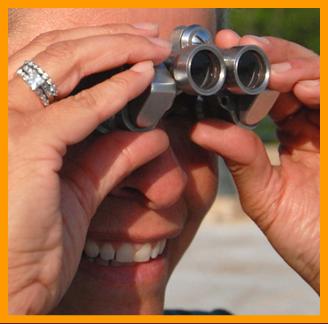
(117, 288)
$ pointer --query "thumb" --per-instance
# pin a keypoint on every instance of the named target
(248, 162)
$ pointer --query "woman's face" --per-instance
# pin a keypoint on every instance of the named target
(149, 220)
(163, 201)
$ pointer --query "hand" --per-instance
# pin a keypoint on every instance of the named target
(52, 199)
(282, 200)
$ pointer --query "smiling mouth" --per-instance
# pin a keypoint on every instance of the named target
(124, 253)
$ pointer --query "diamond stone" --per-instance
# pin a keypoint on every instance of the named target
(26, 68)
(35, 80)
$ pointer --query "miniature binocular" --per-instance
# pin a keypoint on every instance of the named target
(223, 83)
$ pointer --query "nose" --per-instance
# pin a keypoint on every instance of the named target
(158, 184)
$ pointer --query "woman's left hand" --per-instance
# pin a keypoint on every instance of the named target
(284, 200)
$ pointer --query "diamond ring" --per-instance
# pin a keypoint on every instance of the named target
(39, 81)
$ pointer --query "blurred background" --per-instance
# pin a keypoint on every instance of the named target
(230, 264)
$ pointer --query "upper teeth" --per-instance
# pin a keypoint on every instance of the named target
(124, 252)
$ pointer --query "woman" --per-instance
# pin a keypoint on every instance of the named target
(134, 201)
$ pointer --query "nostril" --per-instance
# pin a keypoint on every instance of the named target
(156, 185)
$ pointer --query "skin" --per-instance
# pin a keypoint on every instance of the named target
(142, 186)
(284, 200)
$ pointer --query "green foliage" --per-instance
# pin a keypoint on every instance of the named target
(299, 25)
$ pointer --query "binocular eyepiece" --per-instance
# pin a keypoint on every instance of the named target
(200, 68)
(217, 77)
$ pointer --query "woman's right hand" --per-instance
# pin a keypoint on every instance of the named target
(52, 199)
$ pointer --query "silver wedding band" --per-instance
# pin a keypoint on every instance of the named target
(38, 81)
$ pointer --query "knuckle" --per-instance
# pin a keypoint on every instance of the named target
(120, 86)
(128, 27)
(131, 39)
(117, 28)
(48, 38)
(87, 98)
(61, 50)
(246, 39)
(121, 83)
(125, 37)
(127, 159)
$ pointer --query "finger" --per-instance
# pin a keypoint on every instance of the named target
(300, 132)
(227, 38)
(99, 168)
(278, 49)
(245, 156)
(42, 41)
(285, 75)
(164, 171)
(308, 92)
(288, 106)
(294, 68)
(305, 93)
(69, 61)
(285, 106)
(73, 119)
(290, 62)
(314, 118)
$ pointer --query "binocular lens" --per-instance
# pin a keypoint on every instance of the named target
(205, 69)
(199, 70)
(248, 69)
(251, 69)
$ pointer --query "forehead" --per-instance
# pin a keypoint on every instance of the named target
(42, 20)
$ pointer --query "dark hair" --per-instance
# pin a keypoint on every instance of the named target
(221, 18)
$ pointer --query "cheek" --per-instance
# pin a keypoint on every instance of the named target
(201, 168)
(202, 185)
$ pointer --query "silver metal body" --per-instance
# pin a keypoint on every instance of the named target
(234, 80)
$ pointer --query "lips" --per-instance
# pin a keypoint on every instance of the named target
(114, 253)
(125, 264)
(130, 246)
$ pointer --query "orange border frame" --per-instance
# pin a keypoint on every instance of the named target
(4, 317)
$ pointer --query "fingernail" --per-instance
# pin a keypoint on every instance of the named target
(261, 39)
(143, 66)
(310, 83)
(281, 67)
(146, 26)
(160, 42)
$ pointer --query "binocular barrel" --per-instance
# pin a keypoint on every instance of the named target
(205, 70)
(198, 68)
(248, 70)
